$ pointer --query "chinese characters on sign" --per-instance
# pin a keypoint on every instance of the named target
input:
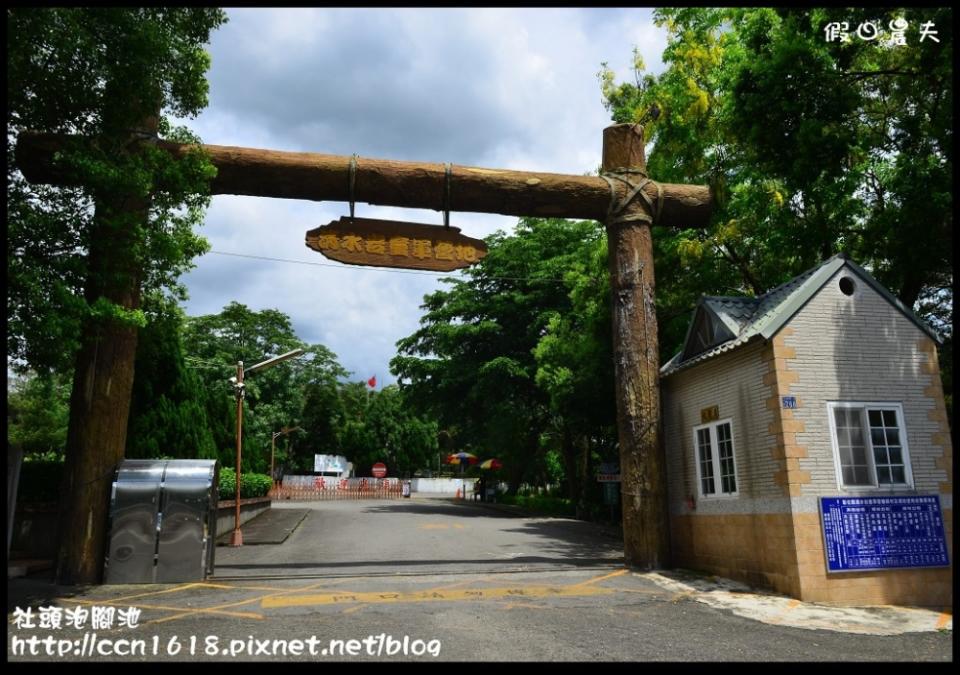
(868, 31)
(870, 533)
(387, 243)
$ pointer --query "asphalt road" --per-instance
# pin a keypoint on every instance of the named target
(420, 536)
(452, 582)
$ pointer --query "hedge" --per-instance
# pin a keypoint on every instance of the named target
(251, 484)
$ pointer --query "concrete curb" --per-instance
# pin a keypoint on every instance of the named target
(271, 527)
(780, 610)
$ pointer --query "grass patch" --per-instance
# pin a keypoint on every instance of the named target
(541, 504)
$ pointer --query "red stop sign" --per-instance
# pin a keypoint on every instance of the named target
(379, 470)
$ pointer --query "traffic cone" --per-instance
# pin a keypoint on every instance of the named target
(458, 493)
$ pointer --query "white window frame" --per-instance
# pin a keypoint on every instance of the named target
(834, 443)
(715, 460)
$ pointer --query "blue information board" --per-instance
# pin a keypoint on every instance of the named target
(875, 533)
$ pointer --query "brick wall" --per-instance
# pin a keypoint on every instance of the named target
(859, 348)
(733, 383)
(757, 548)
(748, 537)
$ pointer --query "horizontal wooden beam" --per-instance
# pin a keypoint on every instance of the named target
(319, 177)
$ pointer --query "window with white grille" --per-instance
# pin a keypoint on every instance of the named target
(716, 468)
(869, 445)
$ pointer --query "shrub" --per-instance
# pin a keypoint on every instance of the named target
(251, 484)
(548, 506)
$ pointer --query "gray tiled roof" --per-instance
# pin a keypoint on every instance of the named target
(733, 311)
(750, 318)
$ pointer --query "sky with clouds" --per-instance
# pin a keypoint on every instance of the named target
(487, 87)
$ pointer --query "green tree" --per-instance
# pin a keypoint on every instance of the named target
(38, 413)
(575, 369)
(471, 365)
(381, 427)
(168, 412)
(83, 259)
(292, 393)
(813, 147)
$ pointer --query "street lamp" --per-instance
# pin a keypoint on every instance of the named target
(236, 539)
(273, 444)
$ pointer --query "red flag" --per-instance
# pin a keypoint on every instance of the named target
(372, 381)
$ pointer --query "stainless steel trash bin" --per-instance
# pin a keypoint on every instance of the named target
(163, 521)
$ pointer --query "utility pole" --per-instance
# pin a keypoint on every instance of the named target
(236, 539)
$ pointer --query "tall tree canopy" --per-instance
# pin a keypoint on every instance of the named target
(385, 430)
(84, 260)
(99, 72)
(506, 358)
(169, 408)
(275, 397)
(814, 147)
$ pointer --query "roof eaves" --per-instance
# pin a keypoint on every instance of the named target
(670, 367)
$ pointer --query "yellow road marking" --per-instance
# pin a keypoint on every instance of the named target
(243, 588)
(374, 597)
(185, 612)
(943, 620)
(197, 610)
(181, 587)
(434, 526)
(605, 576)
(647, 591)
(525, 605)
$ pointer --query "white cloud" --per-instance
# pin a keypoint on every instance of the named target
(494, 87)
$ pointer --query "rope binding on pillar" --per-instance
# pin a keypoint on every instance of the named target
(616, 211)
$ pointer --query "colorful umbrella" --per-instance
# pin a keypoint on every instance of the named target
(461, 458)
(491, 464)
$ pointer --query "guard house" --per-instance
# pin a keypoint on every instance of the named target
(807, 443)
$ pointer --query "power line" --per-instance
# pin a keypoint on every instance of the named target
(319, 264)
(375, 269)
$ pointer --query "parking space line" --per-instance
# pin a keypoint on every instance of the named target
(601, 578)
(185, 612)
(198, 610)
(243, 588)
(181, 587)
(374, 597)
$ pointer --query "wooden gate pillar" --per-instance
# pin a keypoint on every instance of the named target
(635, 349)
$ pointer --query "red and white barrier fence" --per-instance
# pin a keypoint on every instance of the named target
(295, 488)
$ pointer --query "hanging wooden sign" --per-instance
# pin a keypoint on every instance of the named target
(391, 243)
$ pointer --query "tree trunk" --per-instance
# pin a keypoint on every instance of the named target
(305, 175)
(584, 471)
(102, 386)
(636, 368)
(569, 453)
